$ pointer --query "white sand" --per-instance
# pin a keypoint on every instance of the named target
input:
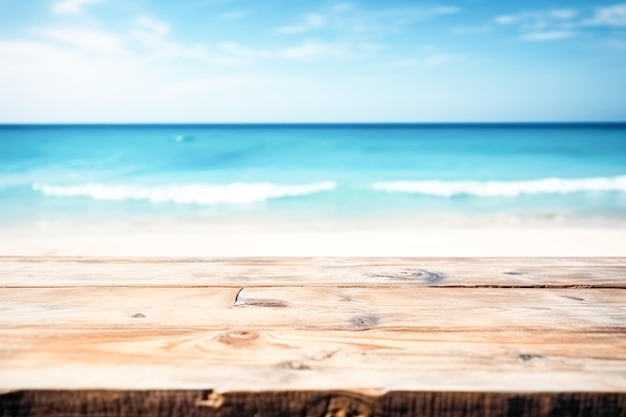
(311, 239)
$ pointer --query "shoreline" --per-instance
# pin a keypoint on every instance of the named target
(394, 237)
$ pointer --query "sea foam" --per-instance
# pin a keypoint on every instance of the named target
(504, 188)
(202, 194)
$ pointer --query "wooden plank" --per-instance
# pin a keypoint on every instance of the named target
(319, 308)
(359, 272)
(245, 359)
(205, 403)
(388, 337)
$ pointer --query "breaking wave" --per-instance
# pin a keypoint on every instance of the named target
(202, 194)
(504, 188)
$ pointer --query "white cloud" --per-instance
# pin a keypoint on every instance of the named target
(408, 15)
(154, 43)
(545, 25)
(313, 21)
(535, 18)
(173, 52)
(69, 86)
(68, 83)
(609, 16)
(91, 41)
(153, 25)
(162, 48)
(80, 74)
(547, 36)
(315, 51)
(149, 42)
(239, 54)
(24, 55)
(204, 84)
(348, 17)
(506, 19)
(71, 81)
(74, 7)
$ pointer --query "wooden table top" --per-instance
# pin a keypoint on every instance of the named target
(312, 336)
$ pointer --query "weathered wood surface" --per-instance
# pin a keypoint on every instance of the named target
(325, 272)
(297, 336)
(316, 309)
(311, 404)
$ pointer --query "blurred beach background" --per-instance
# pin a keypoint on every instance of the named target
(276, 128)
(313, 189)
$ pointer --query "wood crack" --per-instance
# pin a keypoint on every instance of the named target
(259, 302)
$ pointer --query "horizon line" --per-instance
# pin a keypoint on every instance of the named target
(613, 122)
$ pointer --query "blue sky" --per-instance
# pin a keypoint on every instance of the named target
(311, 61)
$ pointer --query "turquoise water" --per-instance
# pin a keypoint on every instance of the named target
(311, 171)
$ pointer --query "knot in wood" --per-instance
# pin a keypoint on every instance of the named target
(413, 274)
(525, 357)
(365, 322)
(428, 276)
(238, 338)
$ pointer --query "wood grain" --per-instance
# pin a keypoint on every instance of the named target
(312, 337)
(317, 308)
(205, 403)
(246, 359)
(358, 272)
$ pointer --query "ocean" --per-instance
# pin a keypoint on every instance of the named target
(436, 172)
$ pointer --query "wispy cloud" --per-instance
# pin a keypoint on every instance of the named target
(72, 7)
(151, 37)
(174, 52)
(147, 40)
(349, 17)
(315, 51)
(609, 16)
(553, 35)
(506, 19)
(88, 40)
(156, 44)
(432, 57)
(403, 16)
(545, 25)
(72, 79)
(312, 21)
(153, 25)
(537, 19)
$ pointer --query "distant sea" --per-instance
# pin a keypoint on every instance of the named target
(354, 171)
